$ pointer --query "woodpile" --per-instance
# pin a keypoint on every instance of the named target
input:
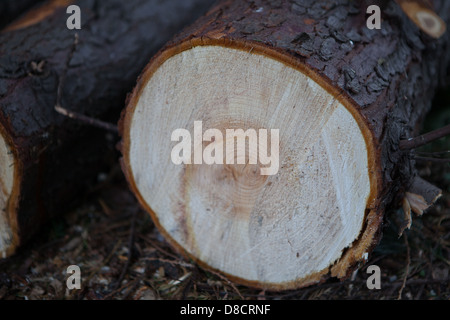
(266, 140)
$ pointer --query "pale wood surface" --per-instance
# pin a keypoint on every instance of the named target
(271, 229)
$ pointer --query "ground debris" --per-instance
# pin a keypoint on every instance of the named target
(96, 237)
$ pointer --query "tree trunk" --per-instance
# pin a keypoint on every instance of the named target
(342, 97)
(48, 160)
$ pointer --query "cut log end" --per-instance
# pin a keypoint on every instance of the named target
(6, 185)
(278, 231)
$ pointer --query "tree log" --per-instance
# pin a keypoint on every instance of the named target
(342, 97)
(47, 160)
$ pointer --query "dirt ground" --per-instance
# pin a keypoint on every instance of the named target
(122, 256)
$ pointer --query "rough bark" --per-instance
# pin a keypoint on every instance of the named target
(55, 157)
(387, 77)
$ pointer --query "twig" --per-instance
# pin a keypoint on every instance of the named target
(419, 294)
(424, 139)
(88, 120)
(112, 293)
(105, 262)
(408, 261)
(73, 115)
(438, 160)
(130, 248)
(153, 244)
(436, 153)
(172, 262)
(228, 281)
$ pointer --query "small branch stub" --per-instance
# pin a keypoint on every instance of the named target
(424, 139)
(88, 120)
(421, 13)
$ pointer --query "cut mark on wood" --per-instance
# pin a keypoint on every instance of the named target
(7, 168)
(272, 229)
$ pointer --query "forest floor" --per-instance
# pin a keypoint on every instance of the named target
(122, 256)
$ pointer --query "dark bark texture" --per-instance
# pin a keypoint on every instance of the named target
(11, 9)
(58, 157)
(389, 75)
